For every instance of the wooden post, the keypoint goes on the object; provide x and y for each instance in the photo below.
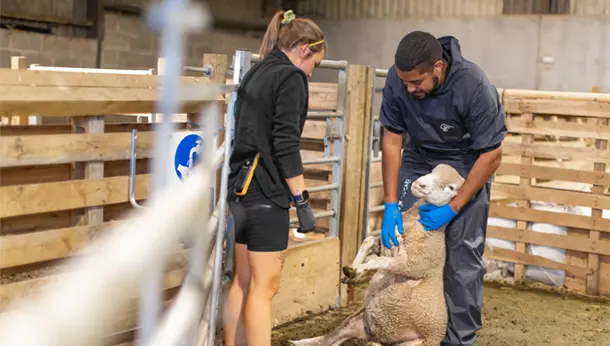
(220, 66)
(524, 183)
(593, 260)
(357, 122)
(158, 117)
(19, 63)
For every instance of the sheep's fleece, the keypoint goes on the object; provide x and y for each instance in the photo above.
(465, 242)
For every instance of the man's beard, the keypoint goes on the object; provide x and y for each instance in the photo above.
(435, 84)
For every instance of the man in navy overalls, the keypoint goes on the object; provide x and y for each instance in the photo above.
(451, 114)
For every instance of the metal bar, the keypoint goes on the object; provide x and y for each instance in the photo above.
(324, 115)
(172, 40)
(241, 59)
(322, 188)
(338, 145)
(332, 159)
(376, 209)
(329, 64)
(36, 67)
(320, 215)
(369, 157)
(207, 70)
(376, 185)
(376, 159)
(132, 170)
(381, 73)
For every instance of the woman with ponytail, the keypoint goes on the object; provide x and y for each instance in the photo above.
(267, 172)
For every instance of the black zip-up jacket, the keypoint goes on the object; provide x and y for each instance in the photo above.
(270, 111)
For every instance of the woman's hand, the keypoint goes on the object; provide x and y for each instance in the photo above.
(307, 220)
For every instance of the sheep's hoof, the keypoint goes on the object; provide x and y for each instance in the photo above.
(347, 281)
(349, 272)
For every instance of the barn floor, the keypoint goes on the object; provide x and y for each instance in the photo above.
(511, 317)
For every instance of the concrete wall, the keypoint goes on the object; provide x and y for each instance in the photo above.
(128, 43)
(509, 48)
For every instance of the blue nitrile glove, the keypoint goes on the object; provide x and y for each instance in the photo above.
(391, 219)
(433, 217)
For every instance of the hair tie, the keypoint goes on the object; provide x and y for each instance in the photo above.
(288, 17)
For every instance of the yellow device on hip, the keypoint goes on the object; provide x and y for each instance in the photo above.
(244, 178)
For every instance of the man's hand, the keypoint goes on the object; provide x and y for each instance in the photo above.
(391, 219)
(433, 217)
(483, 169)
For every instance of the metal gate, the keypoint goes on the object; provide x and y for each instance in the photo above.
(375, 139)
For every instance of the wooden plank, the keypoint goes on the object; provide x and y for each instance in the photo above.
(323, 96)
(551, 195)
(524, 259)
(557, 107)
(358, 113)
(317, 261)
(23, 289)
(567, 129)
(65, 148)
(53, 79)
(554, 95)
(93, 215)
(524, 183)
(46, 197)
(554, 240)
(553, 173)
(593, 260)
(553, 218)
(19, 63)
(57, 129)
(76, 101)
(21, 249)
(556, 151)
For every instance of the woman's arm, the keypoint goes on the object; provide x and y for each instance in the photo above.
(290, 101)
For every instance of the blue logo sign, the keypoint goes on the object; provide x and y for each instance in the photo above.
(187, 155)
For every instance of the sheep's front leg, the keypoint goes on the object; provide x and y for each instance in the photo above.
(375, 264)
(363, 255)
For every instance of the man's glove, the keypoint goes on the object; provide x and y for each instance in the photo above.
(391, 219)
(433, 217)
(307, 221)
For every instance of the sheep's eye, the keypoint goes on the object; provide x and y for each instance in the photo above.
(451, 187)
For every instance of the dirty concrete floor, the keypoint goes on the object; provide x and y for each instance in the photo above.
(510, 317)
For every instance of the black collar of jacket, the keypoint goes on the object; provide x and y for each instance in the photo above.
(278, 55)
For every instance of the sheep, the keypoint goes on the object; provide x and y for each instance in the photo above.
(404, 303)
(504, 271)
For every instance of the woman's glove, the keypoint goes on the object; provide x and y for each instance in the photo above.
(307, 221)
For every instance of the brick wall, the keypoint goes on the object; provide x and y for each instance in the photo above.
(128, 44)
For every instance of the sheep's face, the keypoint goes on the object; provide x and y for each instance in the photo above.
(439, 186)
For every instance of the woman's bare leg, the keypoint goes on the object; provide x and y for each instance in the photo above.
(265, 269)
(234, 333)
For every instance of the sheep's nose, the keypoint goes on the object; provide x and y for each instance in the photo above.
(423, 186)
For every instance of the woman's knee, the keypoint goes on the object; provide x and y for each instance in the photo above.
(267, 286)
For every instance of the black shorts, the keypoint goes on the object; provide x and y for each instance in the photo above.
(259, 223)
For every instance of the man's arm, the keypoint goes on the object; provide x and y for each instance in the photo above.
(390, 165)
(394, 125)
(483, 169)
(291, 98)
(485, 121)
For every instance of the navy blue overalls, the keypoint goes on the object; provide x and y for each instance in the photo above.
(461, 120)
